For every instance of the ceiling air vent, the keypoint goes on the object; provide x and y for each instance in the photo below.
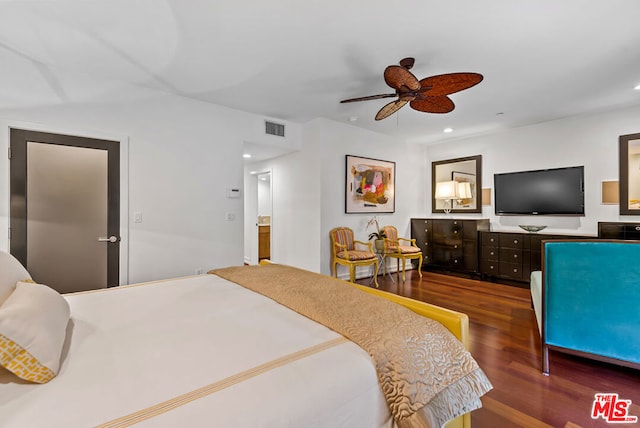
(274, 128)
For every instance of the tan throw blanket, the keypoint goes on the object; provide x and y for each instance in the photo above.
(426, 374)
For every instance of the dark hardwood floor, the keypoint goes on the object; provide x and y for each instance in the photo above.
(506, 344)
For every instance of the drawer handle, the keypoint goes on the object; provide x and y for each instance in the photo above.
(455, 246)
(455, 261)
(426, 230)
(455, 222)
(515, 270)
(491, 267)
(515, 256)
(492, 240)
(455, 231)
(492, 253)
(637, 227)
(515, 241)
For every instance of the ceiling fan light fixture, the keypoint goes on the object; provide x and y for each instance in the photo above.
(428, 95)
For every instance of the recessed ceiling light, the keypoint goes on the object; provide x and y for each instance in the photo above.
(637, 88)
(253, 172)
(353, 119)
(246, 155)
(447, 130)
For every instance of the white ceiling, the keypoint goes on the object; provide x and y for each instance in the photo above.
(296, 59)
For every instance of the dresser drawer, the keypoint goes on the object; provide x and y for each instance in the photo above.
(511, 240)
(489, 267)
(632, 231)
(511, 255)
(489, 253)
(489, 239)
(447, 256)
(510, 270)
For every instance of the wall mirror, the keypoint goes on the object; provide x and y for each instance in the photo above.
(629, 174)
(456, 185)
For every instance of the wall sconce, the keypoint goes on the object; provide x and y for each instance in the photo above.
(446, 191)
(486, 196)
(610, 192)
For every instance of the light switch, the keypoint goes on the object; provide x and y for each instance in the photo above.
(137, 217)
(231, 216)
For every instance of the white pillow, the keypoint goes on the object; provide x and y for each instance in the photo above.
(33, 327)
(11, 271)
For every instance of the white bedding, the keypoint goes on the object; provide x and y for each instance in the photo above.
(133, 347)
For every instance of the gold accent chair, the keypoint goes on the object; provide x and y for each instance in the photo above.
(393, 247)
(344, 252)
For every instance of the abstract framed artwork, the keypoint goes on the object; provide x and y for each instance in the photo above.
(370, 185)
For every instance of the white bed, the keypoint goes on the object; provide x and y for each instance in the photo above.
(198, 351)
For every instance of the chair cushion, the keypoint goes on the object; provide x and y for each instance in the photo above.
(404, 249)
(355, 255)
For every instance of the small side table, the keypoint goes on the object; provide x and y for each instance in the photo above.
(382, 264)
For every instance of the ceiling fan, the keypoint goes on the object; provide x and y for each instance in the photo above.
(428, 95)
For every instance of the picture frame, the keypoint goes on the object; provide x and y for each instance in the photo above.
(459, 169)
(370, 185)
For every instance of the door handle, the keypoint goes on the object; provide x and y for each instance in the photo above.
(112, 238)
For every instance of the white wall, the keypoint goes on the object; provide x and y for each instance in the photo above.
(183, 155)
(309, 191)
(590, 140)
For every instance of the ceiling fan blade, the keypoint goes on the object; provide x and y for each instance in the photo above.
(441, 104)
(370, 97)
(407, 63)
(390, 108)
(401, 79)
(445, 84)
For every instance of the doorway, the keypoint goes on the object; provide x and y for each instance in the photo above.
(265, 211)
(65, 209)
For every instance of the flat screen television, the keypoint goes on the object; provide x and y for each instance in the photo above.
(558, 191)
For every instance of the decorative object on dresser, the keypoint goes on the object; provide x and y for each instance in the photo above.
(370, 185)
(513, 255)
(629, 168)
(461, 177)
(450, 244)
(446, 191)
(617, 230)
(531, 228)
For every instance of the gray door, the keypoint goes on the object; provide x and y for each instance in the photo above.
(65, 209)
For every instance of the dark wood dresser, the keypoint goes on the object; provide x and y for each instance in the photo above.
(512, 255)
(617, 230)
(450, 244)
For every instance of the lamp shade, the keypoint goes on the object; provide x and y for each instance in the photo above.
(446, 190)
(464, 190)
